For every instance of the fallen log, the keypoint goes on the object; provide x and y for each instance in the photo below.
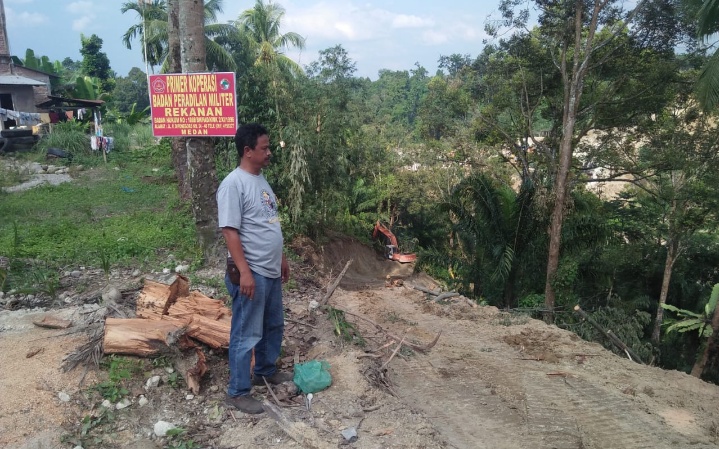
(214, 333)
(156, 298)
(195, 303)
(51, 322)
(137, 336)
(426, 290)
(445, 295)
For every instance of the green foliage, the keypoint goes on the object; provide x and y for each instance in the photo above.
(70, 137)
(343, 328)
(178, 439)
(131, 91)
(119, 371)
(95, 63)
(175, 380)
(690, 321)
(10, 176)
(626, 322)
(122, 213)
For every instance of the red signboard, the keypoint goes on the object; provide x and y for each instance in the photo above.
(193, 104)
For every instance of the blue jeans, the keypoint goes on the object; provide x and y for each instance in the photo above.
(258, 323)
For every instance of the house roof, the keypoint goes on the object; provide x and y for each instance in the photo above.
(56, 101)
(19, 81)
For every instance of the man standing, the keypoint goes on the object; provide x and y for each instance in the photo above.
(247, 212)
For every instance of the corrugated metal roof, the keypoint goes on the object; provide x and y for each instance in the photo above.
(19, 80)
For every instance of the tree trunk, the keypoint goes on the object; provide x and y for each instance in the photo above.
(668, 265)
(179, 154)
(573, 79)
(710, 348)
(200, 150)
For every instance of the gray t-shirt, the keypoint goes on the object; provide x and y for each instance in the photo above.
(246, 202)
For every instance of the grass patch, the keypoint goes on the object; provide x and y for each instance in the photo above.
(124, 213)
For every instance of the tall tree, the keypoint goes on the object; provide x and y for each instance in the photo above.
(95, 62)
(583, 40)
(174, 64)
(200, 151)
(260, 30)
(154, 34)
(682, 160)
(707, 27)
(131, 90)
(495, 227)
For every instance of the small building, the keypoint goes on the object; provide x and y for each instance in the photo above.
(21, 88)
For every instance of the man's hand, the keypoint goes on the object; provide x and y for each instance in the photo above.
(285, 270)
(247, 284)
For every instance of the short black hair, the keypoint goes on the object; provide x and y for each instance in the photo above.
(246, 136)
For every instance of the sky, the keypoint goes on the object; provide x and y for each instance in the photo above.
(389, 34)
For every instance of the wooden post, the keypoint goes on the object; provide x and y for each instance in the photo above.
(610, 335)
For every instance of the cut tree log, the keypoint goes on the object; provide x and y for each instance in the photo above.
(214, 333)
(195, 303)
(137, 336)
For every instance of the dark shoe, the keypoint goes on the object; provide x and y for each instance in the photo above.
(246, 404)
(274, 379)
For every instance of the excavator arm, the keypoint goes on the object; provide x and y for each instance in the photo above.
(391, 247)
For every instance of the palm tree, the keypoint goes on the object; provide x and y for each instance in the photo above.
(260, 27)
(708, 82)
(153, 28)
(495, 226)
(260, 31)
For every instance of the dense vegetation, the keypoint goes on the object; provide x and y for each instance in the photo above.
(466, 164)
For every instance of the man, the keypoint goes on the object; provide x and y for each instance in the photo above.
(247, 212)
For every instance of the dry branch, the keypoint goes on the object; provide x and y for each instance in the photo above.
(303, 434)
(610, 335)
(384, 365)
(333, 286)
(415, 347)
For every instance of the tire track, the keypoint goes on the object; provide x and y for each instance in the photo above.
(558, 407)
(467, 408)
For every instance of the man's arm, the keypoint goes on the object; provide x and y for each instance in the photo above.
(234, 246)
(285, 269)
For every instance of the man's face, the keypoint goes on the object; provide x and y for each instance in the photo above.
(261, 153)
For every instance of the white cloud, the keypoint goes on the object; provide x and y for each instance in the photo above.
(80, 7)
(433, 37)
(24, 18)
(405, 21)
(83, 23)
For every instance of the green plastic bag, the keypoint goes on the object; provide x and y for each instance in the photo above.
(312, 376)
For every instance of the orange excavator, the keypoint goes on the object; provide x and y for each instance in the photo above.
(391, 248)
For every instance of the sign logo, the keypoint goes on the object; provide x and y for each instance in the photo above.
(158, 86)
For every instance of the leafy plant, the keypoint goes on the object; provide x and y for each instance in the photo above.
(179, 441)
(690, 321)
(119, 371)
(343, 328)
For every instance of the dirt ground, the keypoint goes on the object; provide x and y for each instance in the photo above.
(492, 380)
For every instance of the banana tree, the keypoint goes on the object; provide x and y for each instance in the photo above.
(706, 323)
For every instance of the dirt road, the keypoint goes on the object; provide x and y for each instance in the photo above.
(493, 380)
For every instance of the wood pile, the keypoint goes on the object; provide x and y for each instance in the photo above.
(171, 318)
